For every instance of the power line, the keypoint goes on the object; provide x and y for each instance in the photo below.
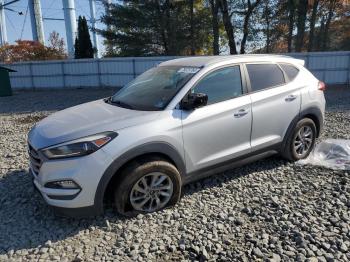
(82, 9)
(10, 3)
(49, 8)
(8, 18)
(51, 3)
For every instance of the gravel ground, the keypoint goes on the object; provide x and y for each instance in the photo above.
(269, 210)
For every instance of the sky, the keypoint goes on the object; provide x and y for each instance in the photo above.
(19, 26)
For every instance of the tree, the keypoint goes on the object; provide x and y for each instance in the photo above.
(331, 6)
(267, 17)
(25, 50)
(193, 50)
(329, 14)
(214, 6)
(247, 15)
(301, 19)
(194, 27)
(268, 12)
(291, 21)
(138, 28)
(312, 25)
(83, 46)
(56, 42)
(226, 17)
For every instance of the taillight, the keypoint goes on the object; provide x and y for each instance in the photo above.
(321, 86)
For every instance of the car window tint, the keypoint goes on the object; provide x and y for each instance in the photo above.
(291, 71)
(221, 85)
(264, 76)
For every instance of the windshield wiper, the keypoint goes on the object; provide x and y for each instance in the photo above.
(118, 103)
(107, 99)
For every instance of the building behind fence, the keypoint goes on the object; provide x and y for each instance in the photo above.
(330, 67)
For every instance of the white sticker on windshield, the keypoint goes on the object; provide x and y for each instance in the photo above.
(188, 70)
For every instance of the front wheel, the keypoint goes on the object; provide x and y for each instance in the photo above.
(147, 186)
(301, 141)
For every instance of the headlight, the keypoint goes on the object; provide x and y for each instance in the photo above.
(80, 147)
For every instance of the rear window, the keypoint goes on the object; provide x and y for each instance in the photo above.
(264, 76)
(291, 71)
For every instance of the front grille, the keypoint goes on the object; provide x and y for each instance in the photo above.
(35, 160)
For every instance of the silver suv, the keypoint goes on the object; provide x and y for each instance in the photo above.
(178, 122)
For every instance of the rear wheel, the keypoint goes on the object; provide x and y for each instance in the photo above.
(301, 141)
(147, 186)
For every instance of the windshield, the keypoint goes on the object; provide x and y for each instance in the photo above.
(154, 89)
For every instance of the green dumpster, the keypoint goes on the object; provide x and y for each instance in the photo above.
(5, 84)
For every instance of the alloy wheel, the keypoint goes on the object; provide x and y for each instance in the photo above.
(151, 192)
(303, 140)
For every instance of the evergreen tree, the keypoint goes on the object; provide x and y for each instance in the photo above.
(76, 48)
(149, 28)
(83, 45)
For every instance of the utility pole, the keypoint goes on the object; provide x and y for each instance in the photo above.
(71, 25)
(93, 25)
(36, 21)
(3, 32)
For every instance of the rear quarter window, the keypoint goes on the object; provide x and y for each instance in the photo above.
(264, 76)
(290, 70)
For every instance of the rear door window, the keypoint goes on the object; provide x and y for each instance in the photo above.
(291, 71)
(264, 76)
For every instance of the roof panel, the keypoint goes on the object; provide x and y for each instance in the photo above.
(201, 61)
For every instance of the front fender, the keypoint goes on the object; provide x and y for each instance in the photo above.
(148, 148)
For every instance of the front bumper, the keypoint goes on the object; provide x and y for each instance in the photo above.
(81, 212)
(84, 171)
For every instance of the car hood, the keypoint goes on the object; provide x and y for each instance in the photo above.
(84, 120)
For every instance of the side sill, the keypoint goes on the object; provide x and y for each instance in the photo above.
(233, 163)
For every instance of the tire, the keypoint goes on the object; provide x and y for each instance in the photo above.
(292, 151)
(128, 195)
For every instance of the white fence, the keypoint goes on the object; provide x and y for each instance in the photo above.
(330, 67)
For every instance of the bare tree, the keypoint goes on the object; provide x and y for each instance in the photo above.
(247, 14)
(214, 6)
(301, 19)
(266, 15)
(226, 17)
(291, 20)
(193, 51)
(312, 25)
(56, 42)
(331, 8)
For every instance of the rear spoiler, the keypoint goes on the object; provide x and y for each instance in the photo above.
(300, 61)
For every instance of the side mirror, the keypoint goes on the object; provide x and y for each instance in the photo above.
(193, 101)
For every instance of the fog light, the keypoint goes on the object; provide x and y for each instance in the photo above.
(62, 184)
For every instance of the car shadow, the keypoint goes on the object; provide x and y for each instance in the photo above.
(217, 180)
(27, 222)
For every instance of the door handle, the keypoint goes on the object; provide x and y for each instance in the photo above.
(240, 113)
(290, 98)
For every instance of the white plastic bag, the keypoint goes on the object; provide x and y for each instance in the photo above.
(331, 153)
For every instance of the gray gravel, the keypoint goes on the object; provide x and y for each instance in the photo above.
(269, 210)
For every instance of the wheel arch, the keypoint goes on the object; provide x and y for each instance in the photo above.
(313, 113)
(160, 149)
